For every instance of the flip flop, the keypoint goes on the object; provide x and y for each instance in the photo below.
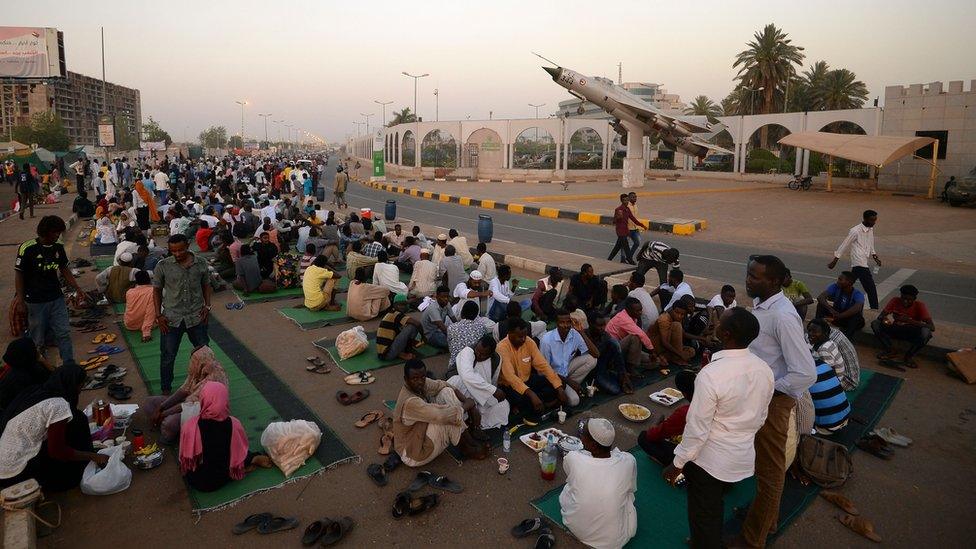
(423, 503)
(347, 399)
(110, 338)
(546, 540)
(239, 306)
(377, 473)
(861, 526)
(318, 369)
(369, 417)
(343, 398)
(360, 378)
(446, 484)
(386, 444)
(250, 523)
(315, 531)
(119, 391)
(278, 524)
(527, 527)
(875, 447)
(93, 384)
(841, 501)
(99, 338)
(422, 480)
(401, 504)
(230, 306)
(892, 437)
(337, 530)
(392, 462)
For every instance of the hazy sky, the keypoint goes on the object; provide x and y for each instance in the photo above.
(318, 64)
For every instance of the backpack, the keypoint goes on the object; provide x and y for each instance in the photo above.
(827, 463)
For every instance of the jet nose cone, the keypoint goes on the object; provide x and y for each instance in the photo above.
(553, 71)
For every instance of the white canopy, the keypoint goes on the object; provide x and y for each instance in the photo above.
(875, 150)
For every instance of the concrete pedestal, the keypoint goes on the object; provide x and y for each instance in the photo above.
(634, 161)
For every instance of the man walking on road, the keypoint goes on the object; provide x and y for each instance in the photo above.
(861, 240)
(182, 296)
(634, 234)
(341, 181)
(622, 217)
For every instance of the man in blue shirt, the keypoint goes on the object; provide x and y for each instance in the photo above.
(842, 305)
(570, 354)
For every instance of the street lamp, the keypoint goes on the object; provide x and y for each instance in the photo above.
(242, 102)
(289, 126)
(276, 123)
(366, 116)
(415, 78)
(537, 108)
(384, 103)
(752, 98)
(358, 126)
(265, 116)
(437, 106)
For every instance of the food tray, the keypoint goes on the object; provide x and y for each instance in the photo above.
(538, 445)
(668, 396)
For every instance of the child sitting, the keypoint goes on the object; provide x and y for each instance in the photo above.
(659, 441)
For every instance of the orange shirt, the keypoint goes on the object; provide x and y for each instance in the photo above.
(517, 365)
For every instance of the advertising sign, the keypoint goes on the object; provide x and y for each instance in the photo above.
(31, 52)
(152, 145)
(106, 131)
(379, 168)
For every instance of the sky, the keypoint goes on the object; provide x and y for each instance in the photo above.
(319, 64)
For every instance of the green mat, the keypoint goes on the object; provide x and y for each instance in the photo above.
(103, 262)
(280, 293)
(367, 360)
(308, 319)
(249, 402)
(662, 516)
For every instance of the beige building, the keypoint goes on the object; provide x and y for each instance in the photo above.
(654, 94)
(77, 99)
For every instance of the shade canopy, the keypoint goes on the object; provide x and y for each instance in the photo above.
(875, 150)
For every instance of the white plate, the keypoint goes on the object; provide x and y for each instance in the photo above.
(667, 396)
(538, 445)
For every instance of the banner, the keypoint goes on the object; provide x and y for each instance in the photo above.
(30, 52)
(106, 131)
(152, 145)
(379, 143)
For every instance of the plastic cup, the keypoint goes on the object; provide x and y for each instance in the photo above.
(561, 415)
(502, 466)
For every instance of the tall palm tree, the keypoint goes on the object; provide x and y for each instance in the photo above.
(736, 103)
(840, 89)
(703, 106)
(768, 63)
(402, 117)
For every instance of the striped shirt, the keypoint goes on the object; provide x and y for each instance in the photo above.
(389, 327)
(850, 375)
(829, 400)
(652, 251)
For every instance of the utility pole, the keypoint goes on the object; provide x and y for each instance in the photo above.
(359, 125)
(366, 116)
(437, 106)
(104, 94)
(265, 116)
(276, 123)
(242, 102)
(537, 108)
(384, 103)
(289, 126)
(415, 78)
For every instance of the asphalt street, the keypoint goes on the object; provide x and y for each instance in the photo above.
(949, 297)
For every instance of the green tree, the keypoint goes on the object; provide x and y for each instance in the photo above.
(768, 62)
(839, 89)
(46, 129)
(703, 106)
(154, 132)
(214, 137)
(736, 103)
(126, 137)
(235, 142)
(402, 117)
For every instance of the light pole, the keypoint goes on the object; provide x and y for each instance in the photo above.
(265, 116)
(289, 126)
(366, 116)
(537, 108)
(415, 78)
(752, 98)
(242, 102)
(359, 125)
(384, 103)
(277, 123)
(437, 106)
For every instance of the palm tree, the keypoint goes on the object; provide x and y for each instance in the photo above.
(840, 89)
(768, 63)
(402, 117)
(736, 103)
(703, 106)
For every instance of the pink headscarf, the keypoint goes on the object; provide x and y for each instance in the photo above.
(214, 404)
(203, 367)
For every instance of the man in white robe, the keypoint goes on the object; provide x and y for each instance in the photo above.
(478, 381)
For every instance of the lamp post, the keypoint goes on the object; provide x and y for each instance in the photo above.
(265, 117)
(537, 108)
(289, 126)
(384, 103)
(752, 98)
(359, 125)
(415, 78)
(366, 116)
(277, 123)
(242, 102)
(437, 106)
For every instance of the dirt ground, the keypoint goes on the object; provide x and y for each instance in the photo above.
(922, 496)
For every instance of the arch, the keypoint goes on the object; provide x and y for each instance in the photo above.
(534, 149)
(484, 149)
(585, 150)
(777, 158)
(408, 149)
(438, 149)
(843, 126)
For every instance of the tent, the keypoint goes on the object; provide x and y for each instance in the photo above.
(874, 150)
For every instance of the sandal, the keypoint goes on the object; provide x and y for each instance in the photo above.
(119, 391)
(546, 540)
(423, 478)
(347, 399)
(251, 523)
(369, 417)
(876, 447)
(99, 338)
(841, 501)
(323, 369)
(446, 484)
(377, 473)
(891, 437)
(401, 505)
(315, 531)
(277, 524)
(386, 444)
(526, 527)
(93, 362)
(93, 384)
(423, 503)
(337, 530)
(360, 378)
(860, 525)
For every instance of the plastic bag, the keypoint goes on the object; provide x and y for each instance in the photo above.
(188, 410)
(352, 342)
(114, 477)
(290, 443)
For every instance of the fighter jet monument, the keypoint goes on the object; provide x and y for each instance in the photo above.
(633, 118)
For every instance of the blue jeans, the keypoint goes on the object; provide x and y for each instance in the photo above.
(499, 310)
(169, 345)
(52, 317)
(635, 240)
(162, 196)
(437, 339)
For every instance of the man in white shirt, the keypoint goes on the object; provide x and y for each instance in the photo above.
(502, 291)
(388, 275)
(460, 244)
(209, 217)
(732, 395)
(478, 380)
(861, 240)
(782, 345)
(486, 263)
(597, 502)
(472, 289)
(649, 312)
(676, 287)
(395, 236)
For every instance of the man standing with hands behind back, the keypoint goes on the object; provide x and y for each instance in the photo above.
(861, 240)
(182, 297)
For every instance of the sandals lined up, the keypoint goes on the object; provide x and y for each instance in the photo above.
(317, 365)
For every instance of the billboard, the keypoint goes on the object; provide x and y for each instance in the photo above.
(106, 131)
(31, 53)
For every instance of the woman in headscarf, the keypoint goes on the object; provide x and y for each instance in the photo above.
(213, 445)
(145, 205)
(164, 411)
(45, 436)
(21, 369)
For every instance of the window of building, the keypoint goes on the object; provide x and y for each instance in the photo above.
(926, 152)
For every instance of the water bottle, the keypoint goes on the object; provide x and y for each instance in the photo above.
(706, 357)
(506, 441)
(547, 459)
(876, 269)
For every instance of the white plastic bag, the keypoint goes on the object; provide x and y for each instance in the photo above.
(290, 443)
(114, 477)
(188, 410)
(352, 342)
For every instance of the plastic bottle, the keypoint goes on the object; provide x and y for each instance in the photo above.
(506, 441)
(706, 357)
(547, 459)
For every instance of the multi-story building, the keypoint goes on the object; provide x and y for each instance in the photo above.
(654, 94)
(78, 100)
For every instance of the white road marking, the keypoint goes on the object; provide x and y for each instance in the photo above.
(893, 282)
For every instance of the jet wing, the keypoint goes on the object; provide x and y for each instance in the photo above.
(691, 123)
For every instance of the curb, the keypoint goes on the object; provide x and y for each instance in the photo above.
(552, 213)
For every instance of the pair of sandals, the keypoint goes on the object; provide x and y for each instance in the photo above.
(535, 526)
(104, 338)
(346, 399)
(891, 436)
(876, 446)
(386, 439)
(427, 478)
(406, 504)
(317, 365)
(105, 349)
(93, 362)
(92, 328)
(359, 378)
(265, 523)
(380, 473)
(119, 391)
(327, 532)
(235, 306)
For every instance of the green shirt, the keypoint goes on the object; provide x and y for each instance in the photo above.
(182, 289)
(795, 290)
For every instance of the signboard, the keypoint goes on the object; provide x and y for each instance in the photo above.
(379, 143)
(152, 145)
(31, 53)
(106, 131)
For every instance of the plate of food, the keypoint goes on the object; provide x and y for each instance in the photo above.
(537, 441)
(634, 412)
(569, 443)
(667, 396)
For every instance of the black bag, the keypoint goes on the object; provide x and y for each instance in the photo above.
(827, 463)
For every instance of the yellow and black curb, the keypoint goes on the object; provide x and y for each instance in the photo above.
(552, 213)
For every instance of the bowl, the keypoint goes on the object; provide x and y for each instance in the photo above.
(634, 412)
